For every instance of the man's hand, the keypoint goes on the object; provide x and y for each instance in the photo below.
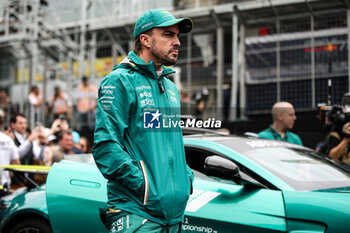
(34, 135)
(346, 129)
(55, 127)
(342, 148)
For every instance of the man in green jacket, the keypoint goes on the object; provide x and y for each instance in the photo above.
(144, 162)
(283, 115)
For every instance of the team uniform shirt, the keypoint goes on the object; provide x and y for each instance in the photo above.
(270, 133)
(8, 152)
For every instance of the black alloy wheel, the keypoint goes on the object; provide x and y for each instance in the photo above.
(32, 226)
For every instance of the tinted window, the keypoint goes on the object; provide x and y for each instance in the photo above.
(300, 169)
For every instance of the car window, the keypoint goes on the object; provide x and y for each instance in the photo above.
(195, 158)
(300, 169)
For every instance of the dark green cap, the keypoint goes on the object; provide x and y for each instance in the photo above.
(160, 18)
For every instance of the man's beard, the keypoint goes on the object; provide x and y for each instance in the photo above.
(162, 56)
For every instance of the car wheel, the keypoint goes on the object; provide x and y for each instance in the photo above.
(32, 226)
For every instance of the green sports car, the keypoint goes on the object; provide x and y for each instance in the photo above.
(241, 185)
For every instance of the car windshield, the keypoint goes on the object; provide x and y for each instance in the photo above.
(301, 169)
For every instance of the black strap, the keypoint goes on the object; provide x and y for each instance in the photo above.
(16, 141)
(161, 88)
(180, 227)
(103, 216)
(275, 136)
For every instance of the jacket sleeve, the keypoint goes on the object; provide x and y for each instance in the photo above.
(112, 114)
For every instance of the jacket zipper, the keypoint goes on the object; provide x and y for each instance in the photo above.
(171, 154)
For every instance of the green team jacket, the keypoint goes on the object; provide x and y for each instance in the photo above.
(146, 168)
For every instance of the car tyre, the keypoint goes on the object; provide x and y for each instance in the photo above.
(32, 226)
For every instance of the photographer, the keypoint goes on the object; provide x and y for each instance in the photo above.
(337, 141)
(338, 144)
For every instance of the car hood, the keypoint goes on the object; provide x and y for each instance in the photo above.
(326, 208)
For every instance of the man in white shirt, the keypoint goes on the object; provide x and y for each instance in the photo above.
(22, 139)
(8, 153)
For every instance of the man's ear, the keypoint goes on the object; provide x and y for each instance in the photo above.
(280, 115)
(145, 40)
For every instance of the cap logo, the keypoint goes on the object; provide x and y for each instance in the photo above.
(146, 25)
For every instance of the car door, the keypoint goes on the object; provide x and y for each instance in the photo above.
(74, 194)
(223, 206)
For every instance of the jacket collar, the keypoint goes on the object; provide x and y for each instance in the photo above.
(134, 62)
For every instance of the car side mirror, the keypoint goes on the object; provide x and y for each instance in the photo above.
(217, 166)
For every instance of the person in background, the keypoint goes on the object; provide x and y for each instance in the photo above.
(8, 155)
(84, 144)
(7, 106)
(86, 97)
(65, 146)
(201, 99)
(283, 116)
(35, 99)
(40, 146)
(149, 182)
(76, 148)
(337, 145)
(337, 141)
(23, 137)
(61, 105)
(53, 147)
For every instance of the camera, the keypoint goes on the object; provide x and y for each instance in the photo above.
(333, 117)
(338, 116)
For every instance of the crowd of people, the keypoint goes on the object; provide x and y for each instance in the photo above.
(37, 144)
(60, 105)
(29, 141)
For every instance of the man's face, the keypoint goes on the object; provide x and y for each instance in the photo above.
(66, 142)
(82, 145)
(288, 117)
(86, 82)
(165, 45)
(21, 125)
(2, 95)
